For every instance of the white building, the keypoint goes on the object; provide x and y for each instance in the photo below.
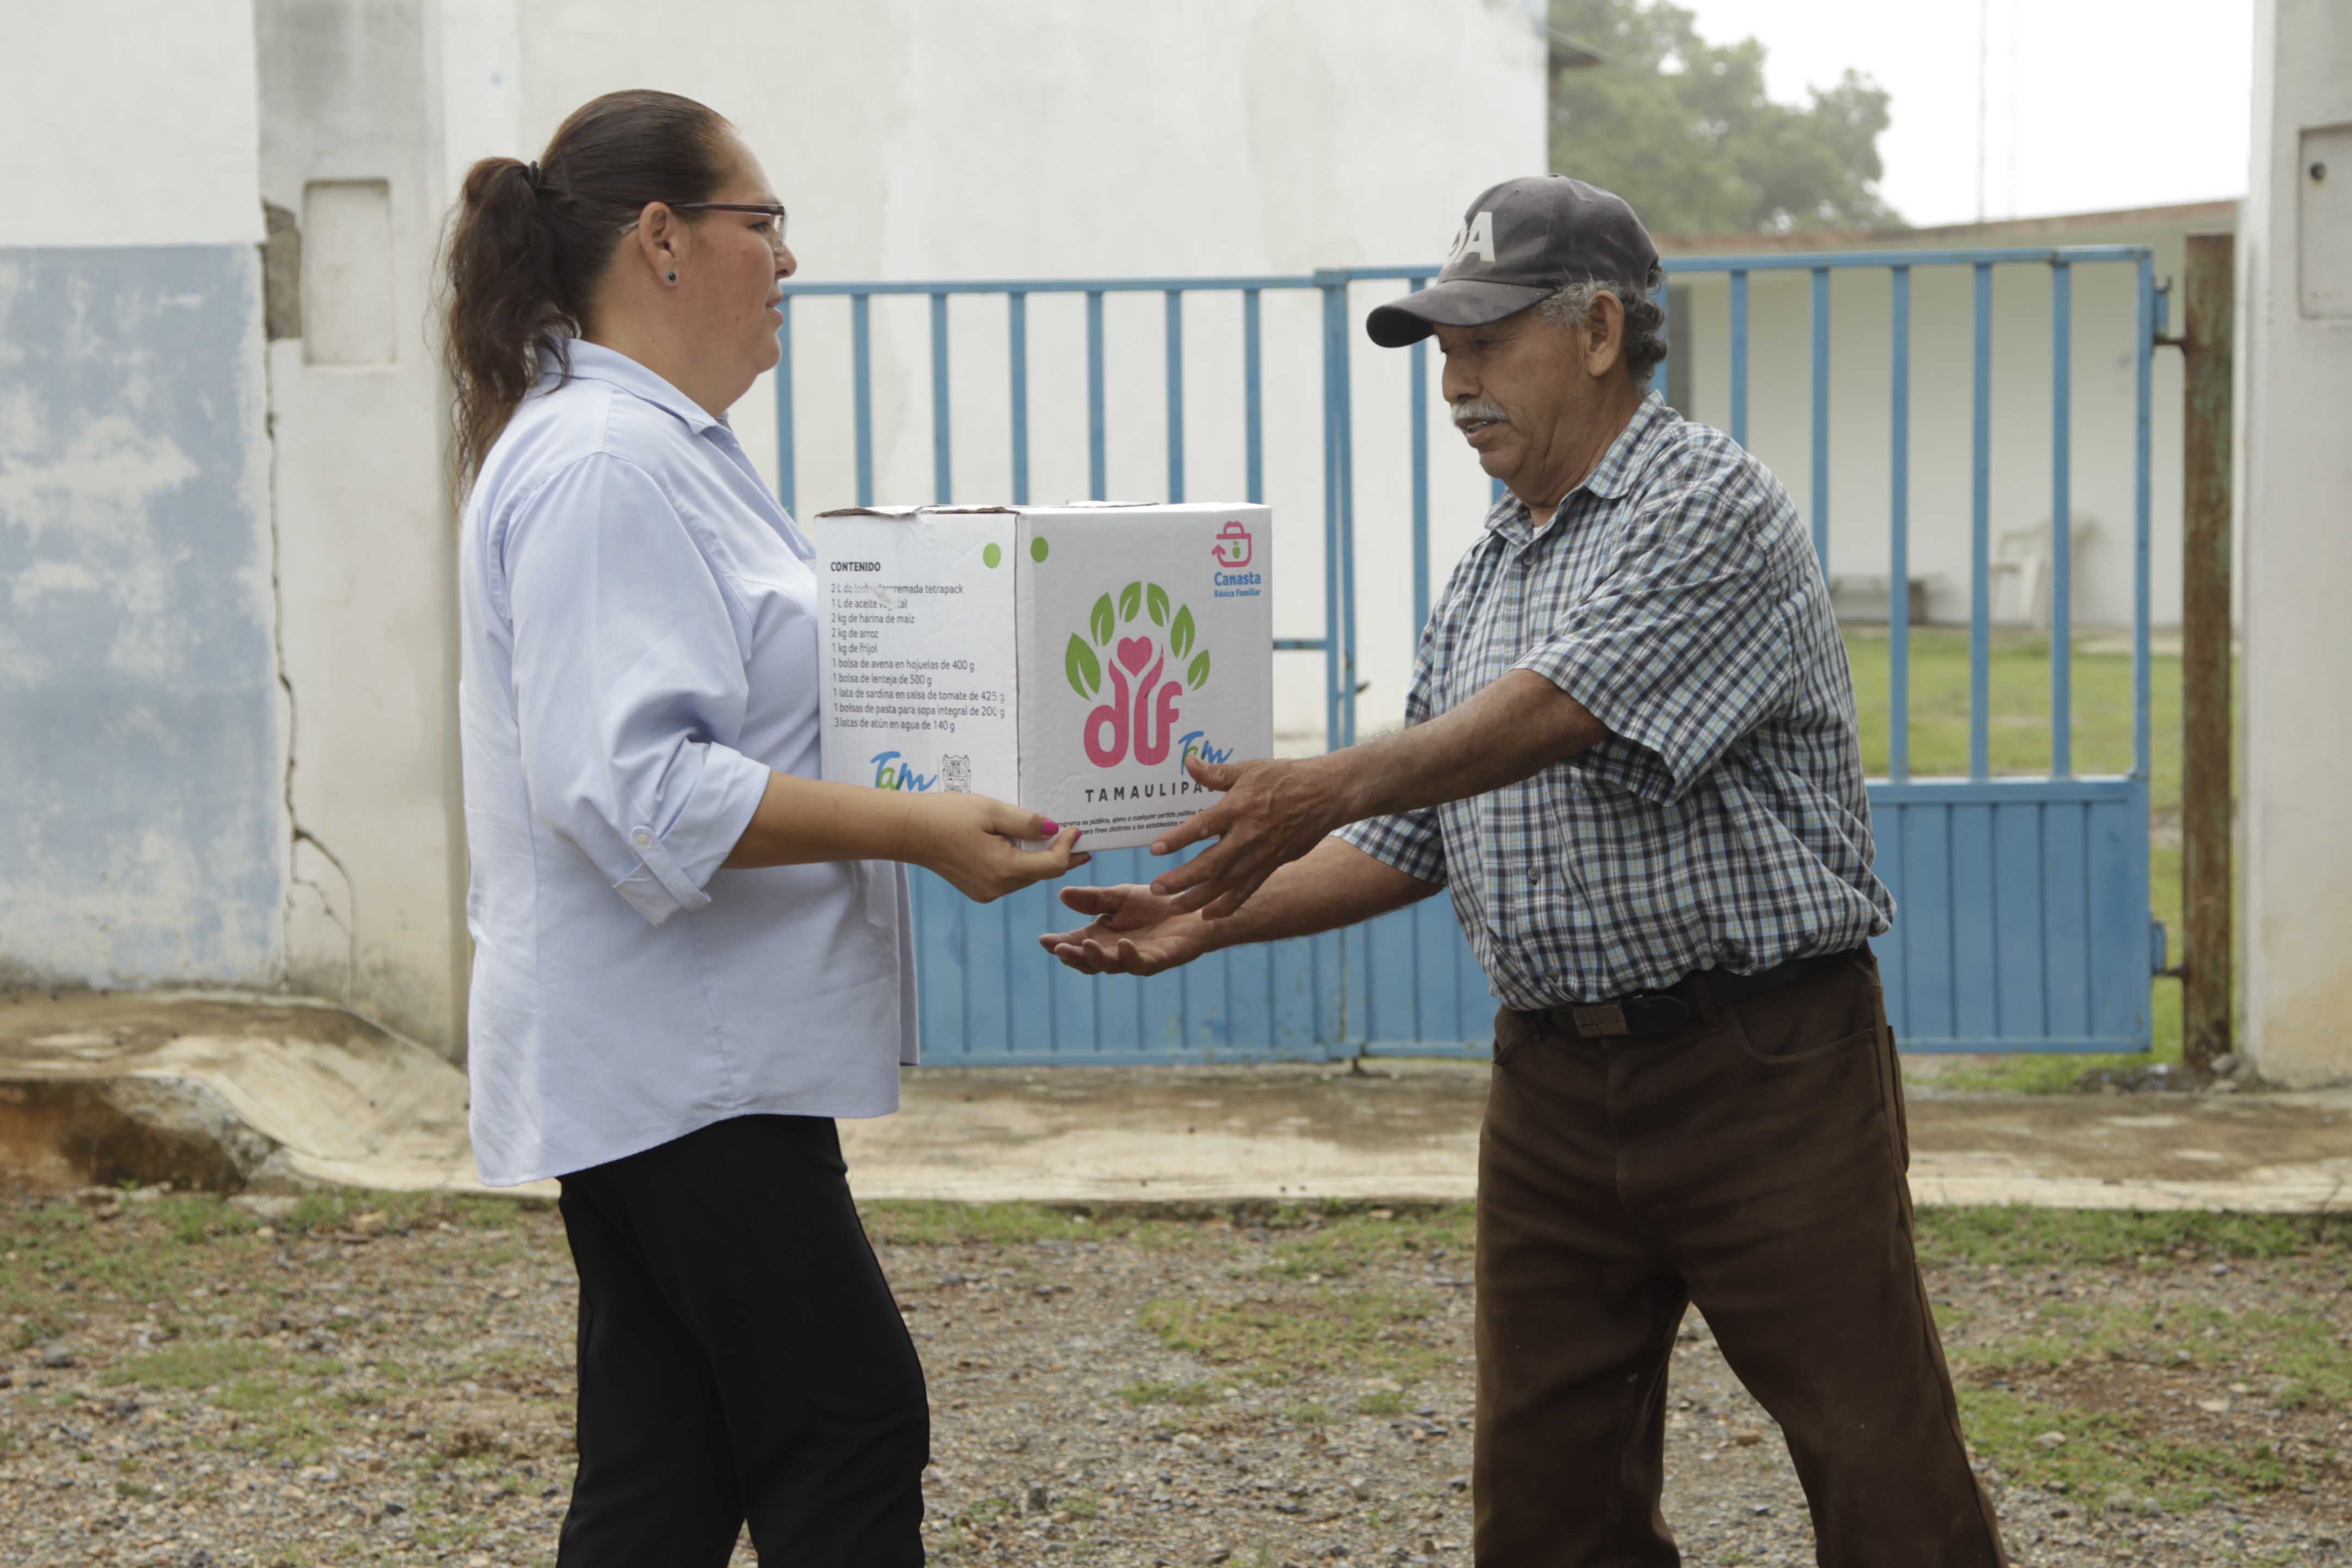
(2295, 345)
(228, 667)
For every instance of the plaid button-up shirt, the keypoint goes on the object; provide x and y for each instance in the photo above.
(1723, 821)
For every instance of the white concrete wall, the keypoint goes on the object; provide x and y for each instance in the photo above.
(2295, 389)
(129, 123)
(912, 140)
(1078, 138)
(141, 738)
(351, 92)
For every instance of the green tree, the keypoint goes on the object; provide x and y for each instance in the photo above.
(1682, 129)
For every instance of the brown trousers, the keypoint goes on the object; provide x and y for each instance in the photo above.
(1752, 1163)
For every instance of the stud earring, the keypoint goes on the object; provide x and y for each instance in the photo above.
(673, 277)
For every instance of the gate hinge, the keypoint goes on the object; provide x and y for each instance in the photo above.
(2161, 327)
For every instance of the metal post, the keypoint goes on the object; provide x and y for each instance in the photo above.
(2142, 398)
(1347, 465)
(1658, 371)
(1419, 372)
(1097, 479)
(1981, 536)
(1017, 350)
(787, 464)
(2205, 655)
(1334, 324)
(861, 374)
(1175, 394)
(942, 458)
(1253, 400)
(1898, 514)
(1821, 497)
(2061, 521)
(1739, 355)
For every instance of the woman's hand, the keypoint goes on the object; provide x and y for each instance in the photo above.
(968, 841)
(1135, 931)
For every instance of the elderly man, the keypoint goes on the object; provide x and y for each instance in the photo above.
(1630, 752)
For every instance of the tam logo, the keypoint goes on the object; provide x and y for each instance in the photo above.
(890, 773)
(1196, 744)
(1139, 717)
(1233, 545)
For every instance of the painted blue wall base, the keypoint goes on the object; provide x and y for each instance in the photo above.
(141, 758)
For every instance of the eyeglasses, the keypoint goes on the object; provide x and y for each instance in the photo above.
(774, 209)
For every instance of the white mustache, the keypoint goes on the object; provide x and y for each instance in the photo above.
(1468, 413)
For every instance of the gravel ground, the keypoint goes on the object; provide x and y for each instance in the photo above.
(368, 1379)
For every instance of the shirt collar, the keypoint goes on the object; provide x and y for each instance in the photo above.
(593, 362)
(1612, 478)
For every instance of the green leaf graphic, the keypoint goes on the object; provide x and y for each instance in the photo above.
(1180, 636)
(1101, 621)
(1155, 600)
(1198, 676)
(1130, 599)
(1084, 669)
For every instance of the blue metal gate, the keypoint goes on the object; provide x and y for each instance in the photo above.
(2023, 919)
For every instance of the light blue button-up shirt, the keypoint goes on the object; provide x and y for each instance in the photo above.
(640, 648)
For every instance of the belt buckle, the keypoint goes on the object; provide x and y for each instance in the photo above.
(1603, 1020)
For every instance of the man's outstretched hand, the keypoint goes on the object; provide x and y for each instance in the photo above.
(1135, 931)
(1272, 812)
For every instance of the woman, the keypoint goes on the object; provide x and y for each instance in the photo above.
(691, 953)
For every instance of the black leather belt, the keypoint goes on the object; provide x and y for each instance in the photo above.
(1641, 1013)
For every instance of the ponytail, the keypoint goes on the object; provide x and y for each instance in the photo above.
(530, 241)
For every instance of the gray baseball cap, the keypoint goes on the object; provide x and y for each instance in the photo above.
(1519, 241)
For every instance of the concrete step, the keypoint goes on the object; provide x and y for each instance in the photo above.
(269, 1095)
(227, 1093)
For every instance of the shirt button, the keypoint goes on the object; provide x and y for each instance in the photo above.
(1534, 876)
(641, 838)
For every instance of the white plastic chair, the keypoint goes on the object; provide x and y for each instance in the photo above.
(2021, 556)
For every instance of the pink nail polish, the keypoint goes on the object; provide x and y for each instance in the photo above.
(1051, 828)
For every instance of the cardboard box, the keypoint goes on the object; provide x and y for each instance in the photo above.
(1065, 659)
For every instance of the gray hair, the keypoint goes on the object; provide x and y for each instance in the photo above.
(1645, 338)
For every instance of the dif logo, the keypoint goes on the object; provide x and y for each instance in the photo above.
(1139, 717)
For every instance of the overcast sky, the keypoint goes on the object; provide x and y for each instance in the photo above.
(2089, 104)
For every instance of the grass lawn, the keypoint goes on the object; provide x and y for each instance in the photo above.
(2019, 741)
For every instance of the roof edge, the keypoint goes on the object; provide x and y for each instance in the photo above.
(2213, 215)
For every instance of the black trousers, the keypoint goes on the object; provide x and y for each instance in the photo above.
(741, 1357)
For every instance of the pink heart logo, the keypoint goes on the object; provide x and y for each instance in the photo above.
(1135, 653)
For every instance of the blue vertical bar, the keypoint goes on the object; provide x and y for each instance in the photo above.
(1253, 398)
(1175, 394)
(1332, 728)
(1097, 481)
(861, 355)
(1739, 355)
(2145, 346)
(1898, 545)
(1017, 327)
(787, 478)
(942, 466)
(1420, 373)
(2062, 527)
(1347, 464)
(1658, 371)
(1822, 417)
(1980, 537)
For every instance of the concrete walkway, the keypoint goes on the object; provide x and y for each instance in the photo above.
(226, 1092)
